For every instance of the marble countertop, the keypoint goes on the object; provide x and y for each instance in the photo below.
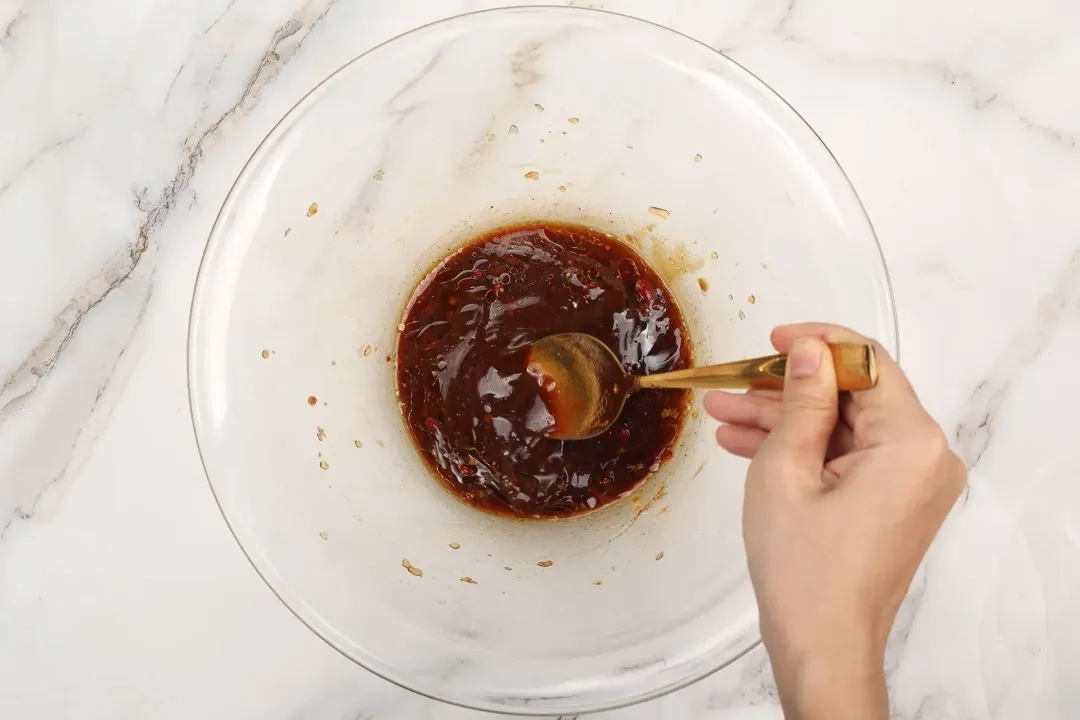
(122, 593)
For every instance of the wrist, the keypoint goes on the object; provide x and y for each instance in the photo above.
(841, 677)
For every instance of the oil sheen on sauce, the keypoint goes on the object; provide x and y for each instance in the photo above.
(476, 414)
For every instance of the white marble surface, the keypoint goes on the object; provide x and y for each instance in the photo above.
(122, 125)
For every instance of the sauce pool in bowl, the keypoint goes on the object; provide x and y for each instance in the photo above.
(474, 409)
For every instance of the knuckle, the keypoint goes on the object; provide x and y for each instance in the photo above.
(943, 470)
(806, 403)
(957, 472)
(933, 440)
(773, 468)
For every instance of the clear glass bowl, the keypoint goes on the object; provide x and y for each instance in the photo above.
(398, 157)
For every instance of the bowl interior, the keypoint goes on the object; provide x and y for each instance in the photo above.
(400, 156)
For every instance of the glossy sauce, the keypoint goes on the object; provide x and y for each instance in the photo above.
(473, 409)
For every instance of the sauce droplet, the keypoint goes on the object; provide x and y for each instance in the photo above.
(659, 212)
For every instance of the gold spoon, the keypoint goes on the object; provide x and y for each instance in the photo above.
(585, 386)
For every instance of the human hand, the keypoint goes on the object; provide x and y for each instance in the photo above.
(843, 497)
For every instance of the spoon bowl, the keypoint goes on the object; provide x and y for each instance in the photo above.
(583, 384)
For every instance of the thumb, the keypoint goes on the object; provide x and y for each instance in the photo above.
(811, 403)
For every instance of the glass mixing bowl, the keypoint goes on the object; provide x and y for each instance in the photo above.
(408, 151)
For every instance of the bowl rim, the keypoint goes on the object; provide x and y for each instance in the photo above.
(531, 709)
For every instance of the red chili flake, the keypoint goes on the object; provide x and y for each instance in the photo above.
(644, 287)
(623, 433)
(432, 423)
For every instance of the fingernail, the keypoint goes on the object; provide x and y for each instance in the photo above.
(804, 358)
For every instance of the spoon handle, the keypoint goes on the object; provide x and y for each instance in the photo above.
(856, 369)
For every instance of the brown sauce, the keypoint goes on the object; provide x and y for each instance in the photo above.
(477, 415)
